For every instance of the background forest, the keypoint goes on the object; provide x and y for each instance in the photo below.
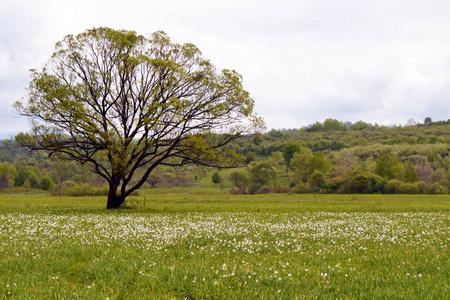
(328, 157)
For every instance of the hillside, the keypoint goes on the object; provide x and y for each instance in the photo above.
(328, 157)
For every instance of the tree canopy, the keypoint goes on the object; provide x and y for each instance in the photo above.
(124, 104)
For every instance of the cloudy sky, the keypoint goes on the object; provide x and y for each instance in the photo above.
(380, 61)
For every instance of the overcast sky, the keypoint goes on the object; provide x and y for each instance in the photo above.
(380, 61)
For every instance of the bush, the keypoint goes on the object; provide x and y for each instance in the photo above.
(363, 183)
(436, 188)
(82, 190)
(412, 188)
(265, 190)
(301, 188)
(254, 188)
(46, 183)
(317, 180)
(280, 190)
(398, 187)
(216, 178)
(393, 186)
(235, 191)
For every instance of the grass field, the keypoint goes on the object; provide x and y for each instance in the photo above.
(204, 244)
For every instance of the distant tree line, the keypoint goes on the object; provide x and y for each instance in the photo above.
(338, 158)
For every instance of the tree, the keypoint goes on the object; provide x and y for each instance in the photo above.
(301, 163)
(216, 178)
(317, 180)
(387, 166)
(7, 174)
(46, 183)
(288, 152)
(239, 180)
(332, 124)
(427, 121)
(410, 172)
(262, 174)
(411, 122)
(121, 102)
(319, 163)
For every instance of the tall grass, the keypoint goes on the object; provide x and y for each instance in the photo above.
(202, 243)
(224, 255)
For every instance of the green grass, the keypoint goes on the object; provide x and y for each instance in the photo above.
(200, 243)
(204, 199)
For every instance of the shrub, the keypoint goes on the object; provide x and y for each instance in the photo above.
(407, 188)
(363, 183)
(393, 186)
(254, 188)
(301, 188)
(235, 191)
(265, 190)
(436, 188)
(216, 178)
(82, 190)
(281, 190)
(46, 183)
(317, 180)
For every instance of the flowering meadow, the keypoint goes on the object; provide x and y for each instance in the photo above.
(224, 255)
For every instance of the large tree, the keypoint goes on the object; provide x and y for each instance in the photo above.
(124, 104)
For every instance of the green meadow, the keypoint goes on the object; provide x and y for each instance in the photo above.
(202, 243)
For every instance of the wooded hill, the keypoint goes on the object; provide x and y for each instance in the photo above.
(328, 157)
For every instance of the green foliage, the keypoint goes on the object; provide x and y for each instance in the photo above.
(398, 187)
(216, 178)
(436, 188)
(33, 179)
(301, 188)
(174, 104)
(301, 163)
(261, 174)
(332, 124)
(410, 172)
(239, 180)
(387, 166)
(7, 175)
(288, 152)
(364, 183)
(317, 180)
(418, 153)
(319, 163)
(249, 157)
(21, 175)
(46, 183)
(70, 188)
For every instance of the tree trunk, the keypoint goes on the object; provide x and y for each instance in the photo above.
(114, 200)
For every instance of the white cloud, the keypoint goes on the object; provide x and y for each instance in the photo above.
(302, 61)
